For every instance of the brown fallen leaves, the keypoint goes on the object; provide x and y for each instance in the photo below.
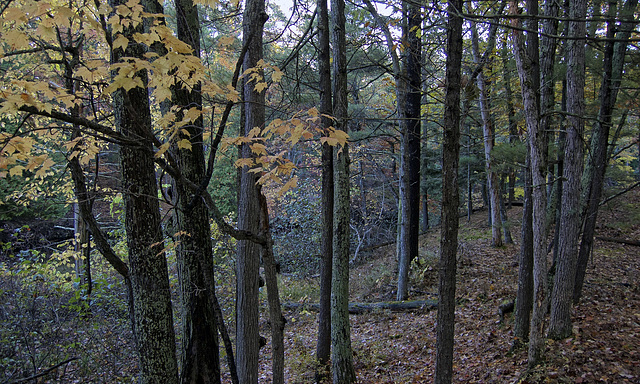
(400, 347)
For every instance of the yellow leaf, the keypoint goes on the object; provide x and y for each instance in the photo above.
(184, 143)
(120, 42)
(162, 94)
(260, 86)
(313, 112)
(258, 149)
(276, 75)
(329, 140)
(15, 14)
(243, 163)
(163, 148)
(341, 136)
(254, 132)
(16, 171)
(292, 183)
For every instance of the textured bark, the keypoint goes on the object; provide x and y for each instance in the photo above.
(450, 198)
(341, 353)
(323, 350)
(537, 152)
(493, 185)
(511, 116)
(200, 350)
(524, 298)
(273, 296)
(410, 166)
(596, 166)
(247, 337)
(560, 325)
(152, 312)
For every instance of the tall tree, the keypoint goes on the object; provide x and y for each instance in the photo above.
(248, 259)
(450, 197)
(323, 351)
(410, 146)
(152, 312)
(493, 184)
(560, 325)
(200, 351)
(537, 161)
(341, 353)
(595, 169)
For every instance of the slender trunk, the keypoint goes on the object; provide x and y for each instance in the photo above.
(597, 163)
(524, 297)
(493, 187)
(560, 325)
(450, 198)
(248, 259)
(273, 295)
(410, 167)
(341, 352)
(537, 152)
(323, 350)
(558, 203)
(513, 124)
(503, 216)
(200, 350)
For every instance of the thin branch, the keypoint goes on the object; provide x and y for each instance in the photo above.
(45, 372)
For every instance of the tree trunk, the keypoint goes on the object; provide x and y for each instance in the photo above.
(323, 350)
(200, 350)
(152, 312)
(503, 216)
(560, 325)
(595, 169)
(450, 198)
(524, 298)
(341, 353)
(273, 295)
(410, 167)
(248, 259)
(493, 186)
(537, 152)
(511, 116)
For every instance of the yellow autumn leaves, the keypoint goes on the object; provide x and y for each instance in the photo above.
(37, 41)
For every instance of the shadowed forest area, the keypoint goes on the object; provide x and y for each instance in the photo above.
(397, 191)
(42, 323)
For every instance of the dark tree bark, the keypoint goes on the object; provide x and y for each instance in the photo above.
(323, 350)
(560, 325)
(152, 312)
(200, 350)
(595, 169)
(450, 198)
(410, 166)
(537, 152)
(273, 295)
(150, 283)
(511, 116)
(341, 353)
(248, 260)
(524, 297)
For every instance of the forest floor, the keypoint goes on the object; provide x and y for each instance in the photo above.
(50, 330)
(400, 347)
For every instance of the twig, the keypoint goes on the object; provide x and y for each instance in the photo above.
(45, 372)
(620, 193)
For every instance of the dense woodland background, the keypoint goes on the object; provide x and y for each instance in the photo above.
(365, 192)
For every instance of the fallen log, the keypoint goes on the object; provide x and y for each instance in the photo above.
(360, 308)
(619, 241)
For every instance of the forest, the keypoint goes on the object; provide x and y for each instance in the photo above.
(319, 192)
